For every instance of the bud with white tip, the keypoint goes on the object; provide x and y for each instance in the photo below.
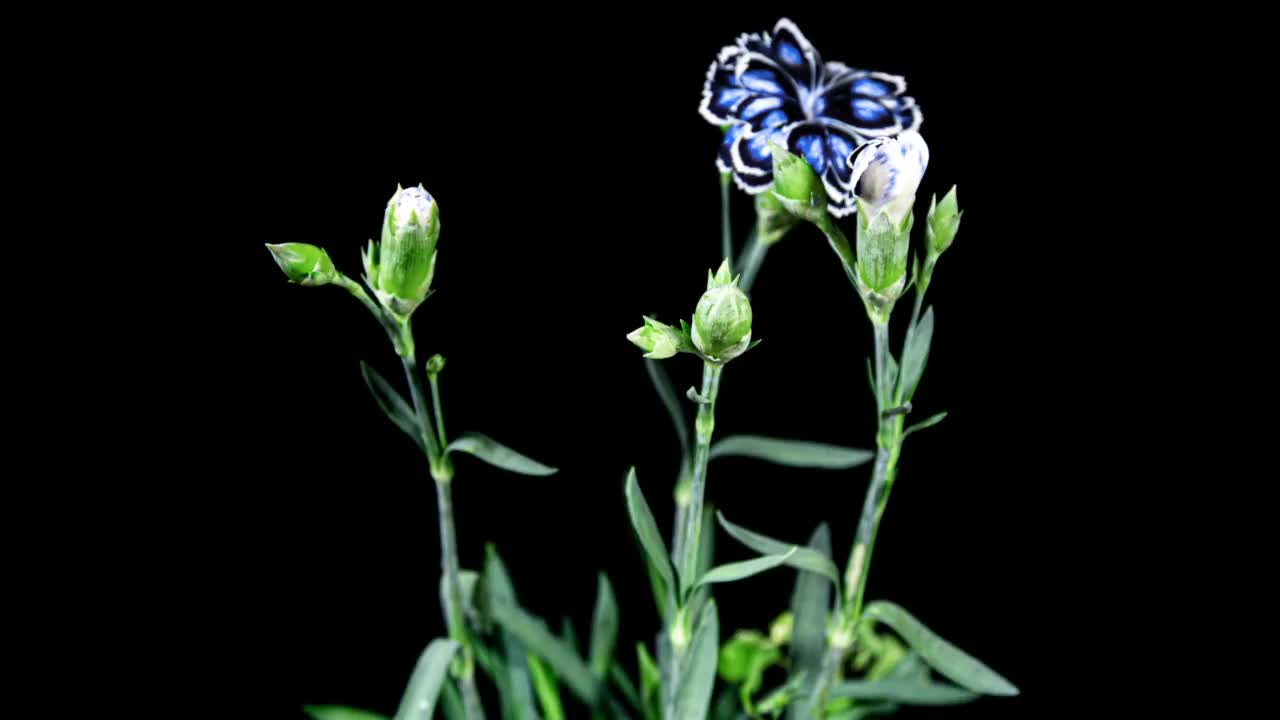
(400, 267)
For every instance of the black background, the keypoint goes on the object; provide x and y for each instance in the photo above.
(578, 192)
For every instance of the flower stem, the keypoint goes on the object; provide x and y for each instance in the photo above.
(704, 426)
(752, 258)
(839, 243)
(726, 231)
(435, 404)
(442, 474)
(888, 449)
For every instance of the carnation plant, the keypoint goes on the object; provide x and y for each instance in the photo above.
(811, 142)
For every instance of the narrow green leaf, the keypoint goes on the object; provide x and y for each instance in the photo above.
(861, 712)
(793, 453)
(513, 676)
(904, 692)
(498, 455)
(393, 405)
(802, 559)
(731, 572)
(604, 628)
(926, 423)
(693, 394)
(650, 683)
(667, 392)
(950, 661)
(647, 531)
(419, 699)
(698, 675)
(810, 602)
(548, 690)
(559, 656)
(340, 712)
(915, 354)
(618, 676)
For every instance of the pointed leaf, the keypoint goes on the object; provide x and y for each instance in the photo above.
(802, 559)
(498, 455)
(730, 572)
(548, 690)
(698, 673)
(950, 661)
(793, 453)
(810, 602)
(340, 712)
(647, 531)
(514, 680)
(693, 394)
(394, 406)
(419, 699)
(915, 354)
(604, 628)
(926, 423)
(561, 658)
(650, 683)
(904, 692)
(667, 393)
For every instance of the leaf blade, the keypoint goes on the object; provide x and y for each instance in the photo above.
(646, 529)
(604, 627)
(904, 692)
(803, 558)
(915, 355)
(791, 453)
(950, 661)
(498, 455)
(393, 405)
(535, 636)
(670, 400)
(734, 571)
(428, 677)
(340, 712)
(693, 696)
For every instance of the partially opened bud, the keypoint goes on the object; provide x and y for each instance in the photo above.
(400, 268)
(304, 264)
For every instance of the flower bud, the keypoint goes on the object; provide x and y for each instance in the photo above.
(304, 264)
(886, 173)
(883, 246)
(796, 186)
(943, 223)
(722, 320)
(659, 340)
(435, 364)
(401, 266)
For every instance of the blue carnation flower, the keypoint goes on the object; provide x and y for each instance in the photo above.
(775, 87)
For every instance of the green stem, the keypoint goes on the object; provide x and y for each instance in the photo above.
(726, 232)
(888, 449)
(752, 258)
(434, 379)
(442, 474)
(704, 427)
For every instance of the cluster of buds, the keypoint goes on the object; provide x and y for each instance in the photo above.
(398, 268)
(886, 173)
(721, 328)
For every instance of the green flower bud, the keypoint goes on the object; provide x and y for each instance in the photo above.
(943, 222)
(435, 364)
(796, 186)
(304, 264)
(660, 341)
(400, 268)
(883, 248)
(722, 320)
